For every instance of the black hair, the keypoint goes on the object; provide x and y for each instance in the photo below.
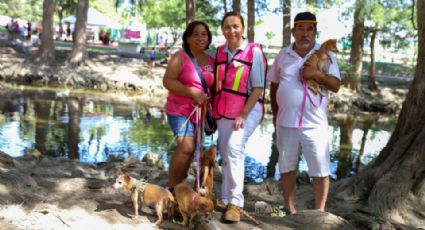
(232, 13)
(189, 31)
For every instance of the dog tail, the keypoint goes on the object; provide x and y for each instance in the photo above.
(171, 197)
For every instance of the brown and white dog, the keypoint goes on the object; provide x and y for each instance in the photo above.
(191, 203)
(318, 61)
(146, 193)
(207, 164)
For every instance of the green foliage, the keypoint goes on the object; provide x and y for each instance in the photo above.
(31, 10)
(278, 210)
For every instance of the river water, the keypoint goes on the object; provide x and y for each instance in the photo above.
(80, 126)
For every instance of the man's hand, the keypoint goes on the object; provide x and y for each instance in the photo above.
(312, 73)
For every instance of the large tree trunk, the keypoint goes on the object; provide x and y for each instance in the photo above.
(190, 11)
(46, 52)
(286, 36)
(356, 56)
(393, 186)
(79, 49)
(251, 20)
(372, 67)
(236, 6)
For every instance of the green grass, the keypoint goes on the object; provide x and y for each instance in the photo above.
(99, 49)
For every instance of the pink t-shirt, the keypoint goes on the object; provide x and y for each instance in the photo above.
(181, 105)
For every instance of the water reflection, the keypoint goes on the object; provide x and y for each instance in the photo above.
(92, 131)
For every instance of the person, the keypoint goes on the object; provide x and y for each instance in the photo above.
(185, 92)
(152, 58)
(68, 31)
(237, 106)
(29, 30)
(287, 96)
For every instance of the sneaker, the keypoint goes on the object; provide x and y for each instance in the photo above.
(232, 213)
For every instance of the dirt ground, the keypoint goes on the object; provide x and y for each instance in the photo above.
(58, 193)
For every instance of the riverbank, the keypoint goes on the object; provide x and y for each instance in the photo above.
(132, 79)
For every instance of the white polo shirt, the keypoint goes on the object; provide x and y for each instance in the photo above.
(286, 72)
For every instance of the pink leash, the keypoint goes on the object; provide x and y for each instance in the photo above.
(198, 144)
(306, 94)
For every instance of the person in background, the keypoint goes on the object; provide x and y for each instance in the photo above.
(238, 106)
(286, 95)
(152, 58)
(185, 91)
(29, 30)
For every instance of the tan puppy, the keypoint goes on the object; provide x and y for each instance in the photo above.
(191, 203)
(149, 194)
(318, 61)
(207, 172)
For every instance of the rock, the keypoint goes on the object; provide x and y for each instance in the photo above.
(151, 159)
(263, 208)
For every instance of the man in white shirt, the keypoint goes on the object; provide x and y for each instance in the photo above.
(300, 117)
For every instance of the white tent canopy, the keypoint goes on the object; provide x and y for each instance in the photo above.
(95, 18)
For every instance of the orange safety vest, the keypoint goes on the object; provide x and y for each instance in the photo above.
(231, 82)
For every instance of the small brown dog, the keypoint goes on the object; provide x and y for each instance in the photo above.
(318, 61)
(149, 194)
(191, 203)
(207, 172)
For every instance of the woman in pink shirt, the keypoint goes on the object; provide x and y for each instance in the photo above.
(185, 92)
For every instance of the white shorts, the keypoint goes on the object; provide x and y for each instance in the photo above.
(312, 142)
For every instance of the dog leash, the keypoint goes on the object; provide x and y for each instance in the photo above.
(306, 94)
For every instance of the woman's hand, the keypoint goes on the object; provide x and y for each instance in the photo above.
(200, 98)
(239, 122)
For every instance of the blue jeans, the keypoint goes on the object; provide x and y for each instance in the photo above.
(176, 124)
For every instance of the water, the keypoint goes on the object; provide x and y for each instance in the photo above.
(52, 121)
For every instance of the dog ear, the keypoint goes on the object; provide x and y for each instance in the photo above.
(119, 171)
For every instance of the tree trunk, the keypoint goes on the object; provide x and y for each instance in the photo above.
(190, 11)
(79, 48)
(74, 115)
(225, 6)
(46, 52)
(41, 110)
(237, 6)
(286, 36)
(356, 55)
(251, 20)
(393, 186)
(372, 67)
(345, 147)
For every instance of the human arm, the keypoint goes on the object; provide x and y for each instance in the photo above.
(252, 99)
(172, 83)
(257, 79)
(329, 81)
(273, 102)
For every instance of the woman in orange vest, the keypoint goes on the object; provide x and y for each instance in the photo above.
(239, 84)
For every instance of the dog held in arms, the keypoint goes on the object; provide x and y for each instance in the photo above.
(146, 193)
(318, 60)
(191, 203)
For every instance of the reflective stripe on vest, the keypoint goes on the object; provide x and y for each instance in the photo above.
(237, 78)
